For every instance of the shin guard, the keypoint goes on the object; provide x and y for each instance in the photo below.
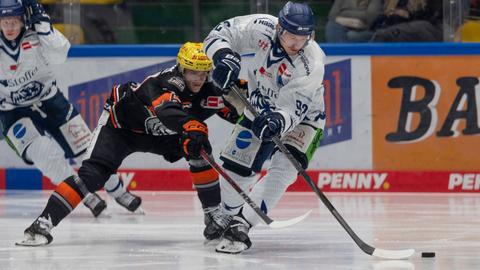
(205, 180)
(64, 199)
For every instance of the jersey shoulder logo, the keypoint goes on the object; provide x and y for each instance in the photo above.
(266, 22)
(26, 45)
(177, 82)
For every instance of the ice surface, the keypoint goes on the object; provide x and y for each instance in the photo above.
(169, 236)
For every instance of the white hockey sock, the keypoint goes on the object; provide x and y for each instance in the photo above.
(114, 186)
(49, 158)
(231, 200)
(268, 191)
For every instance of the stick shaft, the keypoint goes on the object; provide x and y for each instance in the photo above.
(361, 244)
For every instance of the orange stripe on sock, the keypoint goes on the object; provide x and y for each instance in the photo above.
(204, 177)
(69, 194)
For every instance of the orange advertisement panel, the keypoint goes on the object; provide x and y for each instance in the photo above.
(425, 113)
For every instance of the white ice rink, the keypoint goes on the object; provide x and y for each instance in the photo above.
(169, 236)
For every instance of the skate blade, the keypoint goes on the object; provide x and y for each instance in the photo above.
(139, 211)
(104, 214)
(212, 242)
(230, 247)
(39, 240)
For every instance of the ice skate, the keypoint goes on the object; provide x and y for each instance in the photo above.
(130, 202)
(38, 234)
(235, 239)
(216, 222)
(96, 204)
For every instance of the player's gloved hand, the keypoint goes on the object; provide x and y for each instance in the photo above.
(36, 12)
(194, 138)
(268, 125)
(227, 68)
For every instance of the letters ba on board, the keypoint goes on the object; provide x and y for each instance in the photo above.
(425, 112)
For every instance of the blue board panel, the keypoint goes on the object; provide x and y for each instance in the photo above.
(23, 179)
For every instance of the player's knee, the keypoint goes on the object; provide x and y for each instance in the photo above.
(282, 169)
(94, 175)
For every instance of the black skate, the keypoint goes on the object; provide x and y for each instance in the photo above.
(235, 239)
(130, 201)
(216, 222)
(38, 234)
(96, 204)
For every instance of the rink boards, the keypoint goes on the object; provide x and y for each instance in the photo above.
(394, 123)
(337, 181)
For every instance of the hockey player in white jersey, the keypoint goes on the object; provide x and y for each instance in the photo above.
(285, 87)
(31, 105)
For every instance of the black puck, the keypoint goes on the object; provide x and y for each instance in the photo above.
(428, 254)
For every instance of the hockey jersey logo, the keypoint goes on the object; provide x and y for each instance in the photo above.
(263, 44)
(259, 101)
(156, 128)
(213, 102)
(18, 81)
(30, 91)
(26, 45)
(264, 72)
(284, 75)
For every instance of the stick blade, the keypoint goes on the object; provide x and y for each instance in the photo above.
(393, 254)
(277, 224)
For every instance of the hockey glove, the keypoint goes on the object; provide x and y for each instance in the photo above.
(194, 138)
(227, 68)
(268, 125)
(36, 12)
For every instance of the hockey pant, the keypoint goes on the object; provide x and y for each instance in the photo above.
(244, 156)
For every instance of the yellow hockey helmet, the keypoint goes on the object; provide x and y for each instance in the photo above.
(191, 56)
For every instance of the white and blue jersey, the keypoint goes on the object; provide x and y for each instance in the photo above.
(290, 85)
(25, 75)
(30, 102)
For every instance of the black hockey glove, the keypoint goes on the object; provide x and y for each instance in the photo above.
(36, 12)
(227, 68)
(194, 138)
(268, 125)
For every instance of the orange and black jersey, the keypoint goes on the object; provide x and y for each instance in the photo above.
(162, 103)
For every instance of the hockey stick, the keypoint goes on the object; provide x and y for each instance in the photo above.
(381, 253)
(270, 222)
